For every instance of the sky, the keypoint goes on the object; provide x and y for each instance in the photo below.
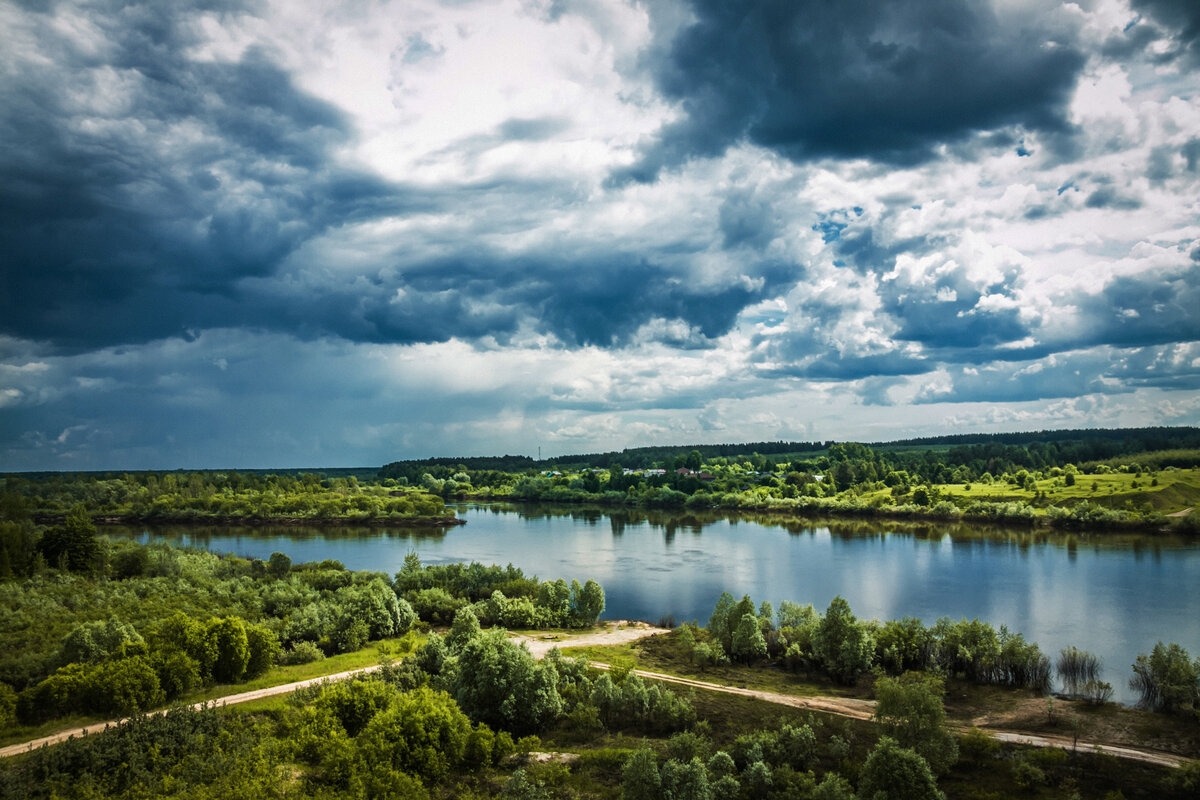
(281, 234)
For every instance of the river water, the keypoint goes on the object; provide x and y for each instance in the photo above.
(1112, 594)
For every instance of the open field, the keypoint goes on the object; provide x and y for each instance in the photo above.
(1166, 491)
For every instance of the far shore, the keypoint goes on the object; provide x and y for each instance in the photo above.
(258, 522)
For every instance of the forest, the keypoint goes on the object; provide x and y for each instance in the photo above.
(1117, 478)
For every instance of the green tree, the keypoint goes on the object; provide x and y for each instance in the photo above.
(465, 628)
(842, 646)
(685, 780)
(910, 710)
(500, 684)
(639, 777)
(91, 642)
(1167, 679)
(232, 648)
(264, 648)
(279, 565)
(421, 733)
(748, 642)
(892, 772)
(718, 623)
(73, 545)
(587, 603)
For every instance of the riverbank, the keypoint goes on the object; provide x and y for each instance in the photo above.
(260, 522)
(1022, 516)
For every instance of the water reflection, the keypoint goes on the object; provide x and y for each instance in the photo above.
(1112, 594)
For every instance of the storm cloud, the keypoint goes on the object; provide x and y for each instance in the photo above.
(878, 79)
(262, 233)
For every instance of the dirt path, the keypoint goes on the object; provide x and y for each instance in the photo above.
(1183, 513)
(865, 710)
(622, 632)
(615, 632)
(228, 700)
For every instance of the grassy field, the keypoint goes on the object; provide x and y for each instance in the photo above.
(1166, 491)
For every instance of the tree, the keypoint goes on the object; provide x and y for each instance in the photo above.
(718, 623)
(639, 777)
(73, 545)
(1167, 679)
(685, 780)
(264, 647)
(841, 645)
(910, 710)
(587, 604)
(279, 565)
(377, 605)
(748, 642)
(421, 733)
(500, 684)
(232, 648)
(465, 628)
(892, 772)
(91, 642)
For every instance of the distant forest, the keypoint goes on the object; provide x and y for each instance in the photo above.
(1040, 449)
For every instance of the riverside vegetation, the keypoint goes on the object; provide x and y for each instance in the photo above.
(1093, 479)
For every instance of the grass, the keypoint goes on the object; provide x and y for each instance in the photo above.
(276, 676)
(1177, 489)
(664, 654)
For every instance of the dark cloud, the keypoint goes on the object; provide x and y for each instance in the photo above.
(1146, 309)
(132, 205)
(747, 218)
(584, 297)
(1178, 21)
(1073, 376)
(887, 80)
(1110, 197)
(173, 200)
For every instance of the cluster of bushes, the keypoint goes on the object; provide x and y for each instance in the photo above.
(842, 647)
(110, 668)
(356, 739)
(497, 682)
(497, 596)
(1167, 679)
(772, 764)
(177, 620)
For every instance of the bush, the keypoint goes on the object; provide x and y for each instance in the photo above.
(1167, 679)
(1028, 776)
(894, 771)
(300, 653)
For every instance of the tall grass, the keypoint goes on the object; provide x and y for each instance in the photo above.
(1077, 668)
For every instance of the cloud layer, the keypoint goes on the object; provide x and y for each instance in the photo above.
(267, 234)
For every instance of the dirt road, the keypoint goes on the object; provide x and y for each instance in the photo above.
(865, 710)
(614, 632)
(622, 632)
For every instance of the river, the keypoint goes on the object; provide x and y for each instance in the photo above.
(1112, 594)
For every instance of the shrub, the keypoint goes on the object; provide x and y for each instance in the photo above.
(300, 653)
(1167, 679)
